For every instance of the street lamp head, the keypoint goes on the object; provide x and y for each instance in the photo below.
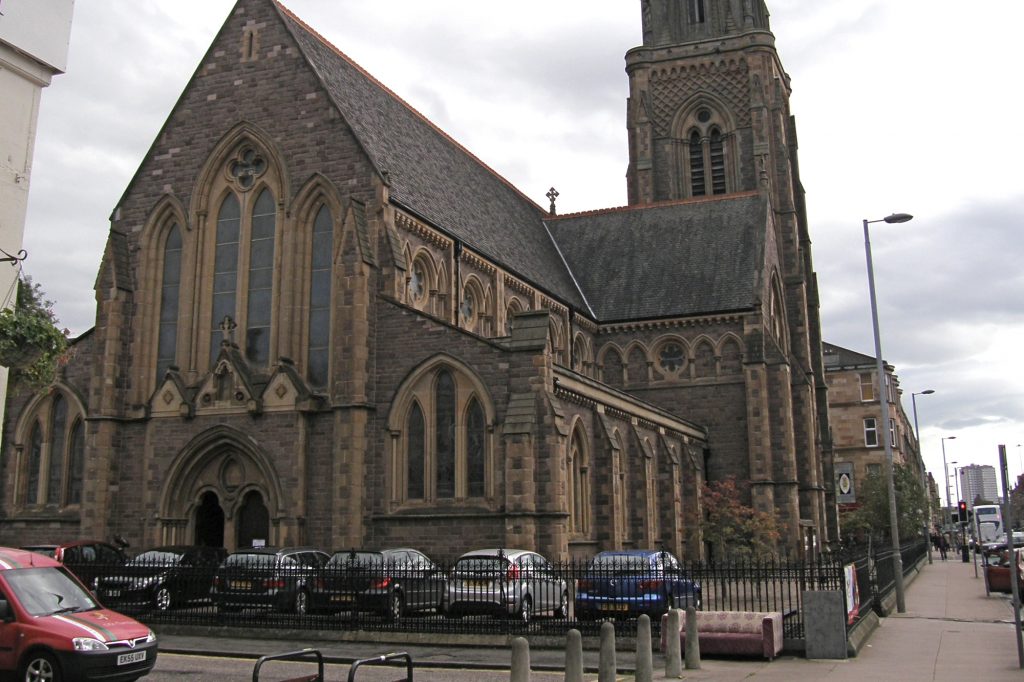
(927, 391)
(898, 218)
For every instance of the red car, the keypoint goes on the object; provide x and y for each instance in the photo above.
(51, 627)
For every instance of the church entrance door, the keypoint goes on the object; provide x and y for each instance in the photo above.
(209, 522)
(253, 521)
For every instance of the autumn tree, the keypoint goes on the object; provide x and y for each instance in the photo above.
(733, 529)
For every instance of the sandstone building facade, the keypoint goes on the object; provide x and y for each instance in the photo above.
(321, 320)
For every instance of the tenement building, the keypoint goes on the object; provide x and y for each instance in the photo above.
(321, 320)
(855, 413)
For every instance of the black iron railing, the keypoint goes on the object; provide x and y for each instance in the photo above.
(452, 598)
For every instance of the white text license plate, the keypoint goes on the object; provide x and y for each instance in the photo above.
(134, 657)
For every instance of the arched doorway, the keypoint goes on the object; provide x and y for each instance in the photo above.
(209, 521)
(253, 525)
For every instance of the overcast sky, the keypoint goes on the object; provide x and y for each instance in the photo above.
(901, 106)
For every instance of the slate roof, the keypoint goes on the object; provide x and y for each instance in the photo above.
(667, 260)
(433, 176)
(839, 357)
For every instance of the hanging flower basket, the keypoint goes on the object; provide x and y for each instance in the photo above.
(31, 345)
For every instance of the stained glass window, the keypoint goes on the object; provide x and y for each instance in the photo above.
(77, 464)
(57, 434)
(415, 451)
(445, 434)
(167, 339)
(320, 297)
(35, 457)
(671, 357)
(225, 270)
(261, 279)
(475, 435)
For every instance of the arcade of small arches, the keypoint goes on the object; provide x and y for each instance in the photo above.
(670, 358)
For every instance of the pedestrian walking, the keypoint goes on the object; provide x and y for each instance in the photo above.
(943, 547)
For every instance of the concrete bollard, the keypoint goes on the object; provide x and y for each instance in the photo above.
(606, 667)
(520, 660)
(673, 651)
(573, 656)
(692, 643)
(644, 662)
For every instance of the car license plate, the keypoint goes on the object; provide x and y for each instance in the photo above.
(341, 597)
(112, 593)
(476, 584)
(614, 607)
(240, 584)
(134, 657)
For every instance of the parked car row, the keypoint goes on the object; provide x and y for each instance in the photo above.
(393, 583)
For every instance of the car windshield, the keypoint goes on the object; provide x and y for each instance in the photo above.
(48, 591)
(481, 565)
(357, 559)
(156, 558)
(621, 563)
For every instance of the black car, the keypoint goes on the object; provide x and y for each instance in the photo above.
(87, 559)
(267, 578)
(162, 578)
(391, 582)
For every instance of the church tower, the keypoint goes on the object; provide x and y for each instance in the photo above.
(709, 116)
(708, 100)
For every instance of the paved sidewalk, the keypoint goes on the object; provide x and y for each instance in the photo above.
(950, 632)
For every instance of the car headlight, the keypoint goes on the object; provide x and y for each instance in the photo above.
(88, 644)
(150, 637)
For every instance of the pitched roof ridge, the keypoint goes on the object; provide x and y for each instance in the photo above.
(405, 104)
(657, 204)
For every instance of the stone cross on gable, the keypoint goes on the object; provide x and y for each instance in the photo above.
(227, 330)
(552, 195)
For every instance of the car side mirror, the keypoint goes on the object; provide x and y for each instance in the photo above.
(6, 614)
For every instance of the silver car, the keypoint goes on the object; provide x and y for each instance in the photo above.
(506, 582)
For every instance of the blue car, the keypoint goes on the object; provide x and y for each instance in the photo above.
(629, 583)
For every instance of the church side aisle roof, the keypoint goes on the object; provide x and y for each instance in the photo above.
(432, 175)
(667, 260)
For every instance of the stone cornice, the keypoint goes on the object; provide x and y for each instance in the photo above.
(410, 224)
(647, 325)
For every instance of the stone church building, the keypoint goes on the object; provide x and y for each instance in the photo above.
(320, 320)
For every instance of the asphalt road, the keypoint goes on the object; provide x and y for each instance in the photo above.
(177, 667)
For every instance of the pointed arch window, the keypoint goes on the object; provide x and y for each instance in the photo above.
(261, 279)
(706, 159)
(444, 411)
(320, 298)
(76, 467)
(170, 291)
(58, 426)
(443, 442)
(415, 434)
(35, 463)
(476, 436)
(579, 486)
(225, 272)
(54, 454)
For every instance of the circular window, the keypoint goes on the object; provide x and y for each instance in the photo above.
(704, 115)
(671, 357)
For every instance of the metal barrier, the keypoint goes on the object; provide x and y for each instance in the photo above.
(294, 656)
(383, 658)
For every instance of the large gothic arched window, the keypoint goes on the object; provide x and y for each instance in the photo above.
(442, 439)
(53, 453)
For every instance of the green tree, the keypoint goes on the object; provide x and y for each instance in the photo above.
(31, 344)
(871, 518)
(736, 530)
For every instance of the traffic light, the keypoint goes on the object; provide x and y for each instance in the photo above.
(962, 511)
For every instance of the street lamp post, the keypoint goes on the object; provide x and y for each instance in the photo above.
(945, 482)
(962, 522)
(897, 559)
(924, 477)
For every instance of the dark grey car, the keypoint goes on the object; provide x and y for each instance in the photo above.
(267, 578)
